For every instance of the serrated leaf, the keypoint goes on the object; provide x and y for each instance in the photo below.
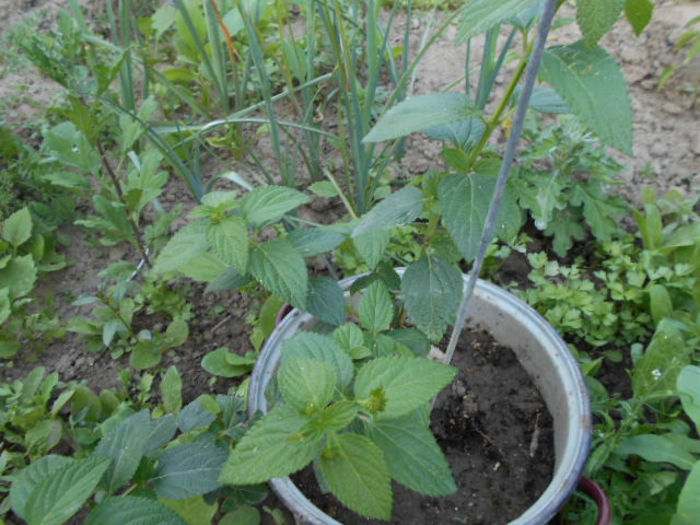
(162, 431)
(565, 229)
(688, 508)
(639, 13)
(18, 276)
(17, 228)
(281, 269)
(464, 204)
(662, 361)
(596, 18)
(195, 416)
(405, 383)
(171, 390)
(313, 241)
(595, 89)
(229, 279)
(688, 386)
(58, 496)
(348, 336)
(270, 203)
(432, 290)
(656, 448)
(599, 210)
(184, 246)
(203, 268)
(371, 246)
(273, 447)
(306, 384)
(355, 470)
(482, 15)
(420, 113)
(336, 416)
(401, 207)
(376, 309)
(323, 348)
(414, 457)
(125, 446)
(411, 338)
(189, 470)
(229, 240)
(195, 511)
(24, 482)
(132, 510)
(326, 300)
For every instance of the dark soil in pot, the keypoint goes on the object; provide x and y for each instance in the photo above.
(496, 432)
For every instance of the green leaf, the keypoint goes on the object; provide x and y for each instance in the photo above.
(481, 15)
(371, 246)
(221, 362)
(336, 416)
(596, 18)
(356, 472)
(464, 203)
(376, 309)
(279, 267)
(326, 300)
(71, 147)
(659, 302)
(688, 385)
(18, 276)
(323, 348)
(162, 431)
(146, 353)
(132, 510)
(414, 457)
(656, 448)
(401, 207)
(639, 13)
(5, 305)
(229, 279)
(184, 246)
(313, 241)
(272, 448)
(24, 483)
(306, 384)
(17, 228)
(229, 240)
(191, 469)
(411, 338)
(403, 383)
(55, 499)
(270, 203)
(348, 336)
(662, 361)
(595, 89)
(565, 228)
(125, 446)
(324, 188)
(176, 333)
(171, 390)
(195, 511)
(195, 416)
(432, 290)
(203, 268)
(688, 508)
(245, 515)
(420, 113)
(599, 210)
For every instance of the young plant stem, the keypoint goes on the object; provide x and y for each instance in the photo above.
(117, 186)
(496, 200)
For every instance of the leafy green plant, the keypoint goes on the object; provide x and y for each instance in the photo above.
(691, 39)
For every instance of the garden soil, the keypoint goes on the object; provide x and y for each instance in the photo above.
(496, 433)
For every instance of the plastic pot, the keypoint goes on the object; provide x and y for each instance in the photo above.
(541, 352)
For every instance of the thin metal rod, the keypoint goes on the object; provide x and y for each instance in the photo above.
(497, 199)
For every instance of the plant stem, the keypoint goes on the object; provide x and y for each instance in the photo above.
(117, 186)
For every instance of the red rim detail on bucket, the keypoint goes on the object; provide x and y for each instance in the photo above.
(595, 491)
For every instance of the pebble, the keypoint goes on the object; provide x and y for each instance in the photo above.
(658, 149)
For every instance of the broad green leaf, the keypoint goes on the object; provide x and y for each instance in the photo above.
(481, 15)
(195, 511)
(176, 333)
(245, 495)
(125, 446)
(356, 472)
(688, 385)
(323, 348)
(71, 147)
(466, 133)
(281, 269)
(110, 329)
(272, 448)
(348, 336)
(326, 300)
(464, 203)
(432, 290)
(336, 416)
(229, 279)
(313, 241)
(414, 457)
(376, 308)
(545, 100)
(656, 448)
(17, 228)
(191, 469)
(270, 203)
(639, 13)
(229, 240)
(145, 354)
(18, 276)
(24, 482)
(688, 508)
(203, 268)
(132, 510)
(58, 496)
(595, 89)
(401, 207)
(171, 390)
(596, 18)
(324, 188)
(411, 338)
(371, 246)
(184, 246)
(306, 384)
(195, 416)
(5, 305)
(420, 113)
(245, 515)
(397, 385)
(659, 302)
(162, 431)
(662, 361)
(221, 362)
